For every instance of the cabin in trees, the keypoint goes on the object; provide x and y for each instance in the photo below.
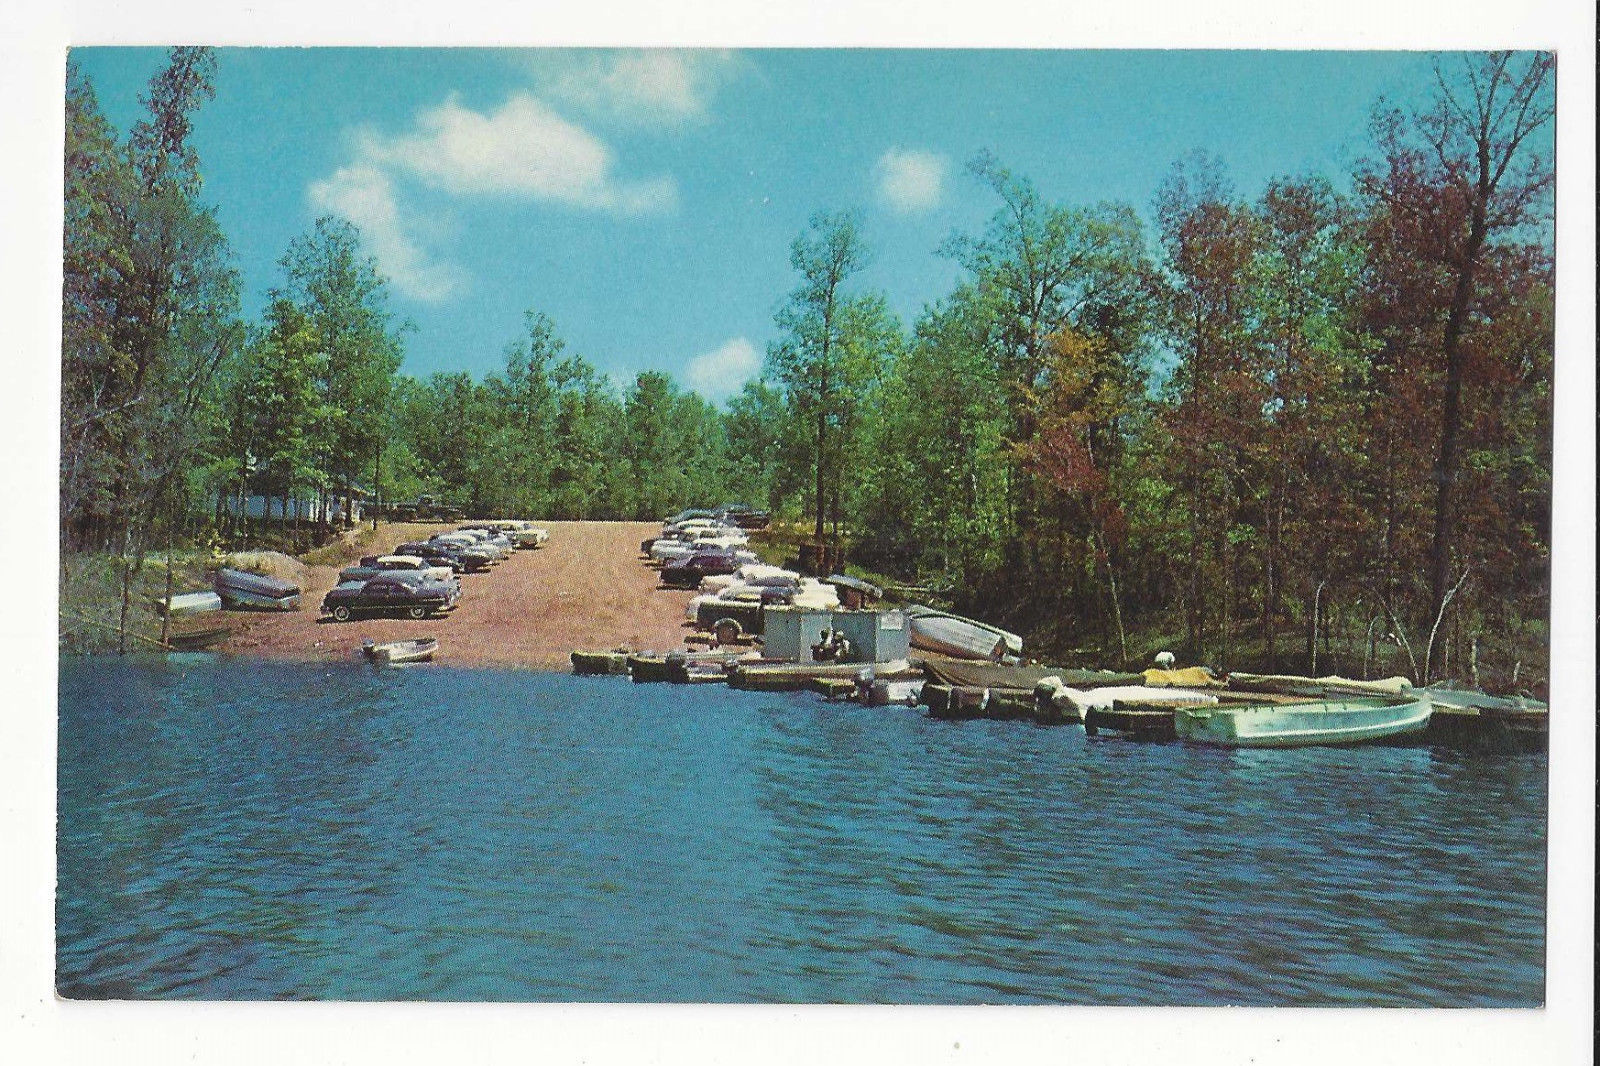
(301, 508)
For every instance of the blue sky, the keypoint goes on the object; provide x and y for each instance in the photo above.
(646, 200)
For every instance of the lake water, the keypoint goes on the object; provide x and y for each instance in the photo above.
(234, 829)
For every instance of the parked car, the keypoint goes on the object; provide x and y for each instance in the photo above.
(688, 571)
(469, 542)
(460, 560)
(493, 543)
(667, 549)
(522, 533)
(765, 595)
(744, 516)
(393, 593)
(492, 532)
(684, 516)
(373, 565)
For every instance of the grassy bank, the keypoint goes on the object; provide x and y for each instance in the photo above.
(91, 598)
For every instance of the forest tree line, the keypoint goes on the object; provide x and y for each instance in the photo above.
(1241, 424)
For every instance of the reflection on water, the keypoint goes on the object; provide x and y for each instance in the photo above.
(237, 829)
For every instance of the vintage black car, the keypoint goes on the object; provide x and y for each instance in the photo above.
(393, 593)
(688, 571)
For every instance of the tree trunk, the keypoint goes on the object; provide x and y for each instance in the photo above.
(822, 436)
(166, 615)
(1448, 464)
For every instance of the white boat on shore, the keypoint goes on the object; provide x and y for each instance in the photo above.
(960, 638)
(401, 651)
(1347, 720)
(189, 603)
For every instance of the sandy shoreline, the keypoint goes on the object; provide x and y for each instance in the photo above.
(586, 588)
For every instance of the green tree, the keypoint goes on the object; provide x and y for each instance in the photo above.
(753, 429)
(278, 419)
(151, 312)
(345, 300)
(830, 353)
(1039, 268)
(99, 193)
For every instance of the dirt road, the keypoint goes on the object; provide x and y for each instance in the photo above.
(586, 588)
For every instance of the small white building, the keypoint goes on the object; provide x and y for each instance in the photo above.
(302, 508)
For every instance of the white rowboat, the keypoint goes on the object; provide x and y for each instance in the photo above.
(958, 637)
(401, 651)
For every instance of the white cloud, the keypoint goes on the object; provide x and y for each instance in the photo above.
(665, 87)
(522, 149)
(364, 195)
(720, 373)
(911, 180)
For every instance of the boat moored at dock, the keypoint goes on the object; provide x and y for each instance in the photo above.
(1347, 720)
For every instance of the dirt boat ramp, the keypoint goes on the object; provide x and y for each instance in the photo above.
(586, 588)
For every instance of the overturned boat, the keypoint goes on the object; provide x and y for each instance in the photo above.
(960, 638)
(240, 588)
(185, 604)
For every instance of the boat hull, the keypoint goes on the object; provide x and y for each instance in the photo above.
(1294, 725)
(959, 638)
(188, 604)
(239, 588)
(401, 651)
(237, 597)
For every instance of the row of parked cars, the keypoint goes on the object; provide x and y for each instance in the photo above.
(708, 550)
(420, 578)
(696, 544)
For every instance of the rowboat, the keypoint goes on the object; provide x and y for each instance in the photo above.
(599, 662)
(1467, 718)
(771, 676)
(188, 632)
(958, 637)
(401, 651)
(239, 588)
(189, 603)
(1346, 720)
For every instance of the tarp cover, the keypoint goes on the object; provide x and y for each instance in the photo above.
(1021, 678)
(1303, 686)
(1188, 677)
(1103, 699)
(270, 564)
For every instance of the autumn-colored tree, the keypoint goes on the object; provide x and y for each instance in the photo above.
(1467, 180)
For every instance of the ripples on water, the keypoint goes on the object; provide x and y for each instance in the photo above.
(237, 829)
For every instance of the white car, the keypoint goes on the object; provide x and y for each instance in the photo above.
(415, 562)
(523, 534)
(698, 526)
(749, 574)
(467, 540)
